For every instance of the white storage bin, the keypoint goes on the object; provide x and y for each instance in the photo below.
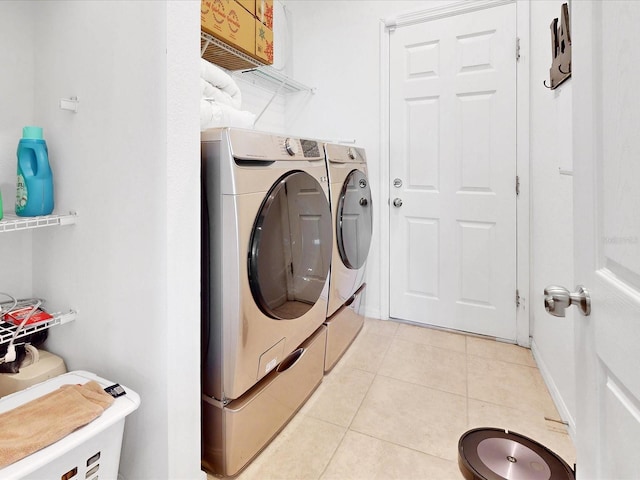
(89, 453)
(47, 366)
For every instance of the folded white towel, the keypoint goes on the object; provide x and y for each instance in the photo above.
(214, 114)
(209, 92)
(221, 80)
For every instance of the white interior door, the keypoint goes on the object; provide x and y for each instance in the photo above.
(453, 153)
(606, 76)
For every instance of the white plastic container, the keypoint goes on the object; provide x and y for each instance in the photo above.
(47, 366)
(89, 453)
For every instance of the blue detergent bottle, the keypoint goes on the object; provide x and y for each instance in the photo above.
(34, 192)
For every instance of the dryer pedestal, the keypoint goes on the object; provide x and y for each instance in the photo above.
(232, 435)
(342, 328)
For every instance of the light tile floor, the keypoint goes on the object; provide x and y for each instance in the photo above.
(396, 404)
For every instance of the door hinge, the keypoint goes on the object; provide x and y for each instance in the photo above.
(517, 185)
(517, 298)
(517, 48)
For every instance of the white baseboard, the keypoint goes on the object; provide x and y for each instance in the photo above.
(564, 412)
(374, 313)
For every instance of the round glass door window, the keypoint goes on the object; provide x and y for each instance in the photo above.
(354, 220)
(290, 247)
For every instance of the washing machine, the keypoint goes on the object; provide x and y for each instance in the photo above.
(266, 254)
(352, 219)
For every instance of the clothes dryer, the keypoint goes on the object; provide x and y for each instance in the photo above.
(266, 253)
(352, 217)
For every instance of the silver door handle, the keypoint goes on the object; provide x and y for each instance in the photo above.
(397, 202)
(557, 299)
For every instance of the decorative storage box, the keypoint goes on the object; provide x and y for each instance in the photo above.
(90, 452)
(264, 43)
(264, 12)
(237, 35)
(249, 5)
(228, 21)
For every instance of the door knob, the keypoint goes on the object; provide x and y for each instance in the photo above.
(557, 299)
(397, 202)
(364, 202)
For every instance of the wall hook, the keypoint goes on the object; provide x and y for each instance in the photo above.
(544, 82)
(70, 104)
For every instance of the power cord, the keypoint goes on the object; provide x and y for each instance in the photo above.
(13, 300)
(10, 355)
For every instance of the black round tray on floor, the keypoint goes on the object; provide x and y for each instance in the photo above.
(497, 454)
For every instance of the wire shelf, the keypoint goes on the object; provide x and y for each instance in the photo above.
(12, 223)
(248, 68)
(7, 330)
(272, 80)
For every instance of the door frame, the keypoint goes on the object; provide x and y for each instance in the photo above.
(523, 205)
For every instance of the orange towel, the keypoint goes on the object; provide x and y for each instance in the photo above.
(45, 420)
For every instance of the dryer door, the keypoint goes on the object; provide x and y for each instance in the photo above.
(290, 248)
(354, 220)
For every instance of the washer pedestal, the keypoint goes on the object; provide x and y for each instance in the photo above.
(232, 435)
(342, 328)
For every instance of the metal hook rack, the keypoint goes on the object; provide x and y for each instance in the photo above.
(560, 50)
(558, 79)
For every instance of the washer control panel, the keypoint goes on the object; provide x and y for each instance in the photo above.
(308, 148)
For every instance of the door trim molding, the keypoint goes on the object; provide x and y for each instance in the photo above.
(523, 204)
(523, 170)
(457, 8)
(384, 208)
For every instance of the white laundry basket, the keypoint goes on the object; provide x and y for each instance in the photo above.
(89, 453)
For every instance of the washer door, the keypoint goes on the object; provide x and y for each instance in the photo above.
(290, 247)
(354, 220)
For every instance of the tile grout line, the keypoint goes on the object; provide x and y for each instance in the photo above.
(334, 453)
(348, 427)
(422, 452)
(375, 376)
(346, 430)
(422, 385)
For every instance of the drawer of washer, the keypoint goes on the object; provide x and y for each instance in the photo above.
(234, 434)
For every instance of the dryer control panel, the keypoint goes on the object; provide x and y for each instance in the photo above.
(345, 154)
(249, 145)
